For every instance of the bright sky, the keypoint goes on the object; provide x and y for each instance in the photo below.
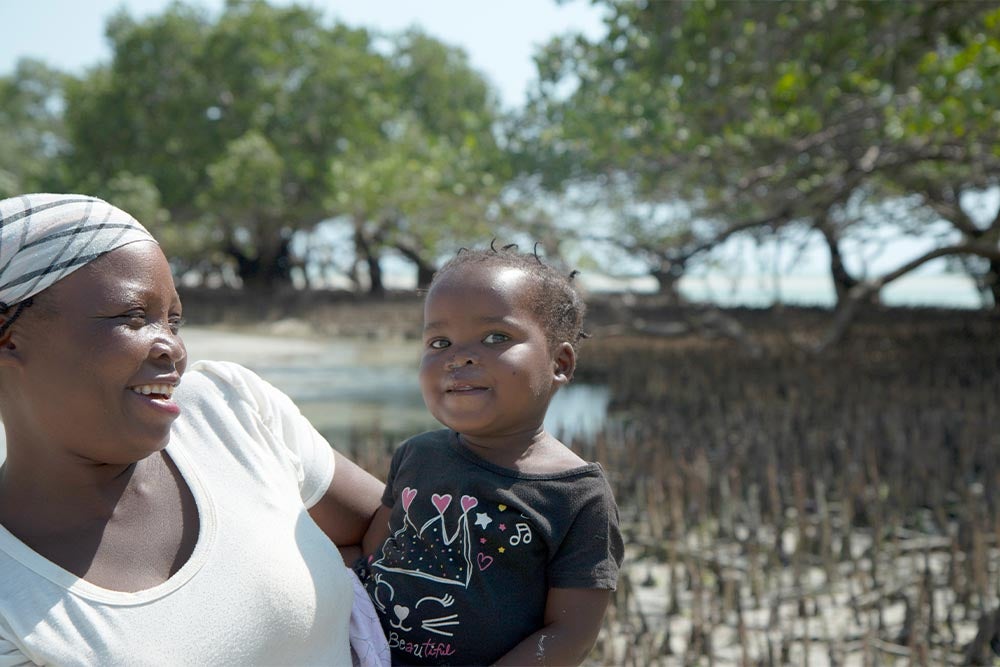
(500, 36)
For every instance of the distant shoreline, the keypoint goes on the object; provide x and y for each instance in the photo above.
(398, 313)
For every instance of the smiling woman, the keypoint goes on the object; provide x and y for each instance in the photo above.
(147, 514)
(92, 350)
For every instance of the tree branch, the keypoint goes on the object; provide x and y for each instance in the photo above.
(863, 291)
(953, 213)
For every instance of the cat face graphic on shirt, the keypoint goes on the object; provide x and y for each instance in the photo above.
(429, 613)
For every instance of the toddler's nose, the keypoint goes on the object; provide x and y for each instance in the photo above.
(461, 359)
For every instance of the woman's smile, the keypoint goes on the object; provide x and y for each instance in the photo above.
(158, 390)
(157, 397)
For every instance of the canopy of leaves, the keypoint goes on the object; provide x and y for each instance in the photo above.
(758, 113)
(32, 136)
(428, 184)
(239, 123)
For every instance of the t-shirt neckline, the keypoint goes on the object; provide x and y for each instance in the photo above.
(455, 441)
(205, 508)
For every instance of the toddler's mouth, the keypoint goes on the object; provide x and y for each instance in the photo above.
(464, 388)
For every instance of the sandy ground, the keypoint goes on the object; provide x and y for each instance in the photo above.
(847, 624)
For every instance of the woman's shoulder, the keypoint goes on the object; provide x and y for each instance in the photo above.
(218, 372)
(207, 381)
(220, 391)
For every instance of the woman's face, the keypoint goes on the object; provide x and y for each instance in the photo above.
(99, 356)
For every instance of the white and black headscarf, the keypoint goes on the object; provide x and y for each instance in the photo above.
(46, 237)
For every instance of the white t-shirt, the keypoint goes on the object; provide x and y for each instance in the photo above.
(264, 585)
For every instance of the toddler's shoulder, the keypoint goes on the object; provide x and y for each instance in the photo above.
(423, 447)
(428, 440)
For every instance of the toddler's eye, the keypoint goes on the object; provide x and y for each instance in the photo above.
(494, 338)
(439, 343)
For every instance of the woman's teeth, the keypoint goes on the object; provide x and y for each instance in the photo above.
(147, 389)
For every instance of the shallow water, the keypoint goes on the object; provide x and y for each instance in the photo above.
(345, 385)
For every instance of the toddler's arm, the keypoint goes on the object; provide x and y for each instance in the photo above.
(573, 617)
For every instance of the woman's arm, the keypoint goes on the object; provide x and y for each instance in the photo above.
(346, 509)
(573, 617)
(378, 531)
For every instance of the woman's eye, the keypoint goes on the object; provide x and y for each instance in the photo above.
(135, 318)
(438, 344)
(494, 338)
(176, 323)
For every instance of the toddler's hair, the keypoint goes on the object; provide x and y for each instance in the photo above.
(552, 297)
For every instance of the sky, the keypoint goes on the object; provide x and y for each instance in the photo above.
(500, 38)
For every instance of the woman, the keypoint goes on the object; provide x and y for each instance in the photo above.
(148, 516)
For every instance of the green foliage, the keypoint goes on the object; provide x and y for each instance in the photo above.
(246, 181)
(429, 181)
(415, 192)
(767, 113)
(32, 135)
(139, 196)
(242, 125)
(436, 84)
(145, 112)
(187, 101)
(687, 123)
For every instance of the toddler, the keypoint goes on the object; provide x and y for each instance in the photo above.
(495, 544)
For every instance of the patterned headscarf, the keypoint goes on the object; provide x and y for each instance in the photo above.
(46, 237)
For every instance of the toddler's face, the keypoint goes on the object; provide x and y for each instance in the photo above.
(487, 368)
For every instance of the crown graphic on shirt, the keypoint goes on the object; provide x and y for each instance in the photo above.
(429, 551)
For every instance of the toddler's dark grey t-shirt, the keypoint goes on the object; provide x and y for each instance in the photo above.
(474, 548)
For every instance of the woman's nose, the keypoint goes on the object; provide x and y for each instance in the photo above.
(168, 345)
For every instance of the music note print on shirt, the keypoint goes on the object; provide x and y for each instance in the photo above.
(523, 535)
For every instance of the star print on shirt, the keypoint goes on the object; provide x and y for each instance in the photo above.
(502, 526)
(483, 519)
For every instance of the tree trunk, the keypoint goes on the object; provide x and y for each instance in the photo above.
(842, 280)
(668, 276)
(868, 290)
(425, 270)
(376, 287)
(365, 248)
(269, 269)
(991, 282)
(981, 650)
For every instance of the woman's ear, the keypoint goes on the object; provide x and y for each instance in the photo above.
(8, 334)
(8, 349)
(564, 361)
